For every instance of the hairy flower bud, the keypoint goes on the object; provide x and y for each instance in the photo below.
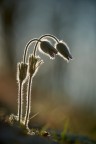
(47, 48)
(21, 71)
(34, 63)
(63, 50)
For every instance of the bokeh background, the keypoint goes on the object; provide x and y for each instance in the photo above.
(63, 93)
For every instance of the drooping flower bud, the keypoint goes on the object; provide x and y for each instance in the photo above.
(34, 63)
(63, 50)
(21, 71)
(47, 48)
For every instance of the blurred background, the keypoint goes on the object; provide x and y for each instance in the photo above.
(62, 92)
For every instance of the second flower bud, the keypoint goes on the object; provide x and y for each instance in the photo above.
(34, 64)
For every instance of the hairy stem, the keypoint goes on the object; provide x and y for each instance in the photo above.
(43, 36)
(20, 102)
(26, 48)
(28, 100)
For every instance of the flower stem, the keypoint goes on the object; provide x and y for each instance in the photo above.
(26, 48)
(20, 102)
(28, 100)
(46, 35)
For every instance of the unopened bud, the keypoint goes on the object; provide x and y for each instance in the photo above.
(64, 51)
(34, 63)
(47, 48)
(21, 71)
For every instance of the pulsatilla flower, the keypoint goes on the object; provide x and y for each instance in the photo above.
(63, 50)
(47, 48)
(21, 71)
(34, 64)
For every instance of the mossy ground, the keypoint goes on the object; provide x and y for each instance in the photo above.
(14, 133)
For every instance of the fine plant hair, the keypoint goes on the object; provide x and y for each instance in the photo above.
(28, 67)
(21, 76)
